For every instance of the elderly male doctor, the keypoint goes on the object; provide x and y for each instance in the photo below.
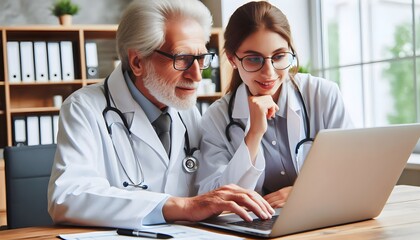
(111, 168)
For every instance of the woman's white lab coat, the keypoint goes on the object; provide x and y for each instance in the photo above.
(227, 162)
(86, 185)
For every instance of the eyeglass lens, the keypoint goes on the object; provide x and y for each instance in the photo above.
(280, 61)
(183, 62)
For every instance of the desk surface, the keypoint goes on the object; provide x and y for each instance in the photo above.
(400, 219)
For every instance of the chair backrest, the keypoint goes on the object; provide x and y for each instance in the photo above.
(28, 170)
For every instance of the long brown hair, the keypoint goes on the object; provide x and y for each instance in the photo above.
(248, 19)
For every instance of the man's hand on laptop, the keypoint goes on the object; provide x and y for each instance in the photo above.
(278, 198)
(230, 198)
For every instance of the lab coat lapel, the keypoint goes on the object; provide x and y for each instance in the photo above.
(241, 107)
(294, 120)
(139, 124)
(177, 137)
(143, 129)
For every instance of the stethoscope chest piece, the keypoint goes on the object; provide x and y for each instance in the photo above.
(190, 164)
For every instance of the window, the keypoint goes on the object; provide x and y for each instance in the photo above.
(371, 48)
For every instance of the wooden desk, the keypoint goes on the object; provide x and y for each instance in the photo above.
(400, 219)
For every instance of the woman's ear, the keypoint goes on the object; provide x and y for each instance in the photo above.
(231, 60)
(134, 60)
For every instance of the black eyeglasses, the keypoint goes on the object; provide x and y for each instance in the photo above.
(184, 61)
(253, 63)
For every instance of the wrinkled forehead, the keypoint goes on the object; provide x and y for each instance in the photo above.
(184, 36)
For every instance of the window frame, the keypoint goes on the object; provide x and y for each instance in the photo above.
(319, 58)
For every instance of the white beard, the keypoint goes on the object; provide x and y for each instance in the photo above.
(165, 92)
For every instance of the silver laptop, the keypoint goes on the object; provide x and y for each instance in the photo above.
(347, 177)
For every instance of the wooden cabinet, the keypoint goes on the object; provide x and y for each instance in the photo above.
(36, 98)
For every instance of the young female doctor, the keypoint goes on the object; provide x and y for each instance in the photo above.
(258, 135)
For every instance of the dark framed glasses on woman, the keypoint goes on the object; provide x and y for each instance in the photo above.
(254, 62)
(182, 62)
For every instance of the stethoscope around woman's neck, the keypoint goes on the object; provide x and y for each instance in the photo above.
(189, 163)
(232, 122)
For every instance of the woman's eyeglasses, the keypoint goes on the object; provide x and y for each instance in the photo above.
(253, 63)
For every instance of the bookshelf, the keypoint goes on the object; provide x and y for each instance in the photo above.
(35, 98)
(31, 98)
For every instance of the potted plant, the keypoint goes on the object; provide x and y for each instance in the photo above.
(206, 73)
(207, 86)
(64, 9)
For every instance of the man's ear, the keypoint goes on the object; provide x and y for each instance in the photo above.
(134, 60)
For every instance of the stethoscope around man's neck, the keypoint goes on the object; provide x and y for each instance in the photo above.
(232, 122)
(190, 163)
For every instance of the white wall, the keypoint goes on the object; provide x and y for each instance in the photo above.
(297, 12)
(21, 12)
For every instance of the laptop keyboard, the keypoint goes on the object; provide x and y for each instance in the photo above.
(257, 223)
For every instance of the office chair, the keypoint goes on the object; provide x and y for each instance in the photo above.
(28, 170)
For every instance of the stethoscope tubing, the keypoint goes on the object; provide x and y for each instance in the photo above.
(190, 163)
(307, 126)
(307, 123)
(107, 109)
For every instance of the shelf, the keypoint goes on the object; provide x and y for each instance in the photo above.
(34, 110)
(97, 34)
(78, 82)
(210, 98)
(93, 81)
(41, 35)
(73, 27)
(35, 98)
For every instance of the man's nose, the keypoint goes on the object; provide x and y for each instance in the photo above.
(193, 72)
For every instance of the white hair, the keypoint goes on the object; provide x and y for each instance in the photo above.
(142, 26)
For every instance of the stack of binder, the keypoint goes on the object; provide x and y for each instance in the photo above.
(35, 130)
(40, 61)
(27, 61)
(13, 61)
(91, 60)
(40, 55)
